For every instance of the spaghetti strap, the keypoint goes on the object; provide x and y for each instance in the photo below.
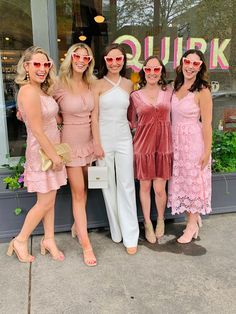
(111, 82)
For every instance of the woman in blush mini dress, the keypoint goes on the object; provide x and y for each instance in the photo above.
(35, 76)
(80, 131)
(112, 93)
(190, 186)
(149, 114)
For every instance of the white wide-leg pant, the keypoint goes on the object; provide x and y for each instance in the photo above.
(120, 196)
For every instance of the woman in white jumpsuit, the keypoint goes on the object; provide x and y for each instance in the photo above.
(112, 95)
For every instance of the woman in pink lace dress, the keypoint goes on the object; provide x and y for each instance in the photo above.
(149, 113)
(190, 186)
(80, 131)
(35, 75)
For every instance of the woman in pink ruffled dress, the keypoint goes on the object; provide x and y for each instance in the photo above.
(35, 76)
(149, 113)
(80, 131)
(190, 186)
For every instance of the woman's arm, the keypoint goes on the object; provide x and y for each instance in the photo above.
(205, 104)
(132, 114)
(57, 94)
(59, 118)
(30, 100)
(98, 150)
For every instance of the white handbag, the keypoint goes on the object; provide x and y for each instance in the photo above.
(97, 177)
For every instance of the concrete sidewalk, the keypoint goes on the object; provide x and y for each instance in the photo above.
(168, 277)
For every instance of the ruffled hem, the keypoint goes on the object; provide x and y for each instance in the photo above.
(82, 156)
(151, 166)
(81, 162)
(82, 151)
(44, 182)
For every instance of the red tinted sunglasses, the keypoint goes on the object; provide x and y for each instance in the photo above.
(156, 70)
(118, 59)
(195, 64)
(38, 65)
(79, 58)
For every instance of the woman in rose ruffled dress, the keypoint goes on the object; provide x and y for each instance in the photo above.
(35, 76)
(80, 131)
(149, 114)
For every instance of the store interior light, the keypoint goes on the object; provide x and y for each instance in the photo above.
(7, 38)
(99, 18)
(58, 39)
(82, 37)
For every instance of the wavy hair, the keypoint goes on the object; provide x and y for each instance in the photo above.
(162, 82)
(201, 78)
(21, 76)
(66, 70)
(103, 68)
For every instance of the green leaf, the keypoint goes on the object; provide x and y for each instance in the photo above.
(224, 151)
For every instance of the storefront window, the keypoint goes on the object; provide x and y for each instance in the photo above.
(164, 28)
(15, 37)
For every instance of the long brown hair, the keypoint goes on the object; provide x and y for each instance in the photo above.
(162, 82)
(103, 68)
(201, 78)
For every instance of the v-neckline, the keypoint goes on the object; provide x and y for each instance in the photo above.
(179, 99)
(146, 100)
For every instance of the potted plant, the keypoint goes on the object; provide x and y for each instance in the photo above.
(224, 171)
(15, 181)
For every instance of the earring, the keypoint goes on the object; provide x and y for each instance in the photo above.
(160, 82)
(27, 76)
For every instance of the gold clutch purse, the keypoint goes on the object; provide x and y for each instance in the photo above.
(63, 150)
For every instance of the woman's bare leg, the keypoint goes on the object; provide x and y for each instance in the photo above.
(77, 184)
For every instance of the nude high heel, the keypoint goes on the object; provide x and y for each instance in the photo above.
(12, 249)
(160, 228)
(199, 222)
(73, 231)
(44, 249)
(191, 232)
(149, 233)
(90, 262)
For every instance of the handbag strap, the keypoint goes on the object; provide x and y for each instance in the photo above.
(91, 161)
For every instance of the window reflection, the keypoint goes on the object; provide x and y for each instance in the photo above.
(15, 37)
(165, 28)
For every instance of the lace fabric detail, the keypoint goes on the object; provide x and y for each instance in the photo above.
(189, 187)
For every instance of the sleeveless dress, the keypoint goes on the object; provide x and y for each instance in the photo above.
(152, 141)
(76, 131)
(35, 179)
(116, 141)
(189, 187)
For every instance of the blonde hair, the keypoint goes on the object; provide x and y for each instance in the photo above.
(66, 71)
(21, 76)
